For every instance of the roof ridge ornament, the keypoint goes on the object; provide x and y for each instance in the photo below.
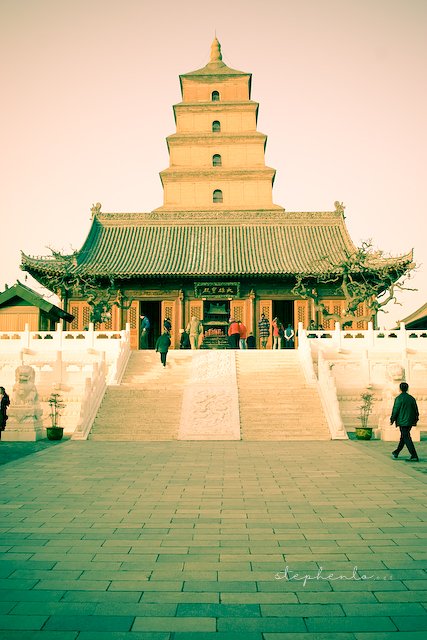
(95, 209)
(216, 55)
(339, 207)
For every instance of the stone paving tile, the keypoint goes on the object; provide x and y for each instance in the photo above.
(125, 635)
(248, 635)
(310, 636)
(175, 624)
(38, 635)
(88, 623)
(183, 540)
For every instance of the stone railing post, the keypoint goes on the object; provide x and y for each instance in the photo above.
(25, 342)
(59, 336)
(91, 335)
(337, 337)
(402, 335)
(370, 334)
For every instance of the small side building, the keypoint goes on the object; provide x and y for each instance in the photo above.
(20, 305)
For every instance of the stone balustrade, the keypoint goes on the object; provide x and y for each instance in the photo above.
(72, 362)
(355, 339)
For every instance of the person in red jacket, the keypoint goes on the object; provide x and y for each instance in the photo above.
(234, 334)
(243, 333)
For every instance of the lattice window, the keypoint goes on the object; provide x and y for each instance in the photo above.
(360, 311)
(238, 313)
(196, 312)
(326, 323)
(168, 311)
(265, 309)
(132, 317)
(301, 315)
(86, 317)
(75, 322)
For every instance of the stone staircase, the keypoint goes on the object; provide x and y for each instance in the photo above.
(147, 404)
(192, 398)
(275, 400)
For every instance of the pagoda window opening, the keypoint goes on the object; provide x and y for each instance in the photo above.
(216, 125)
(216, 160)
(215, 96)
(217, 196)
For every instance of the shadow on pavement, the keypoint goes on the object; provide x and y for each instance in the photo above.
(10, 451)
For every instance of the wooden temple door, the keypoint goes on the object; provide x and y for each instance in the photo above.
(81, 312)
(168, 311)
(266, 308)
(237, 310)
(133, 320)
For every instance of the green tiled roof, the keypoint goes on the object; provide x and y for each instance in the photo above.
(207, 244)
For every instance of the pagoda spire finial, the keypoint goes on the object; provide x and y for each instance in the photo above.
(216, 54)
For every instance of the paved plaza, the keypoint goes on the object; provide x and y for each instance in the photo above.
(221, 540)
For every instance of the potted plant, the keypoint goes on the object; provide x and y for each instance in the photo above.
(56, 404)
(364, 432)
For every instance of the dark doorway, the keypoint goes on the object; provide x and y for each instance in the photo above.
(153, 312)
(284, 310)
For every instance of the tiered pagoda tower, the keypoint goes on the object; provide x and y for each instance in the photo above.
(217, 155)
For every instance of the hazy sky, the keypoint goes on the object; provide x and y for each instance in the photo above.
(88, 88)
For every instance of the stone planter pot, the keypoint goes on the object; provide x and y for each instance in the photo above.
(363, 433)
(54, 433)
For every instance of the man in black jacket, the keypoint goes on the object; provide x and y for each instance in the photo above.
(405, 414)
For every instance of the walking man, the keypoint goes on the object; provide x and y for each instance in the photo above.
(162, 346)
(405, 414)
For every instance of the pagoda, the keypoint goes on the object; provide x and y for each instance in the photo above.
(218, 247)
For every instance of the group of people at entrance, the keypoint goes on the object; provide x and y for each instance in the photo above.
(282, 337)
(238, 335)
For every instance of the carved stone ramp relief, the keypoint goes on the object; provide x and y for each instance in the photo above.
(210, 408)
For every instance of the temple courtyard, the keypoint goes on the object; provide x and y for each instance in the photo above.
(225, 540)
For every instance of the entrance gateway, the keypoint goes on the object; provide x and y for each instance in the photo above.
(214, 304)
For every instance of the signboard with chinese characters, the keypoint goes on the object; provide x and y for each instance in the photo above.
(217, 289)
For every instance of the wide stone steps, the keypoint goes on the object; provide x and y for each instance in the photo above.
(147, 404)
(275, 400)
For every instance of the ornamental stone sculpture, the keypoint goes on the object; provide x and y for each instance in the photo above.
(25, 412)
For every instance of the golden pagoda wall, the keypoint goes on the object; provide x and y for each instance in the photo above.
(230, 89)
(237, 194)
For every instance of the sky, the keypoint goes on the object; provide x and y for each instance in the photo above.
(87, 94)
